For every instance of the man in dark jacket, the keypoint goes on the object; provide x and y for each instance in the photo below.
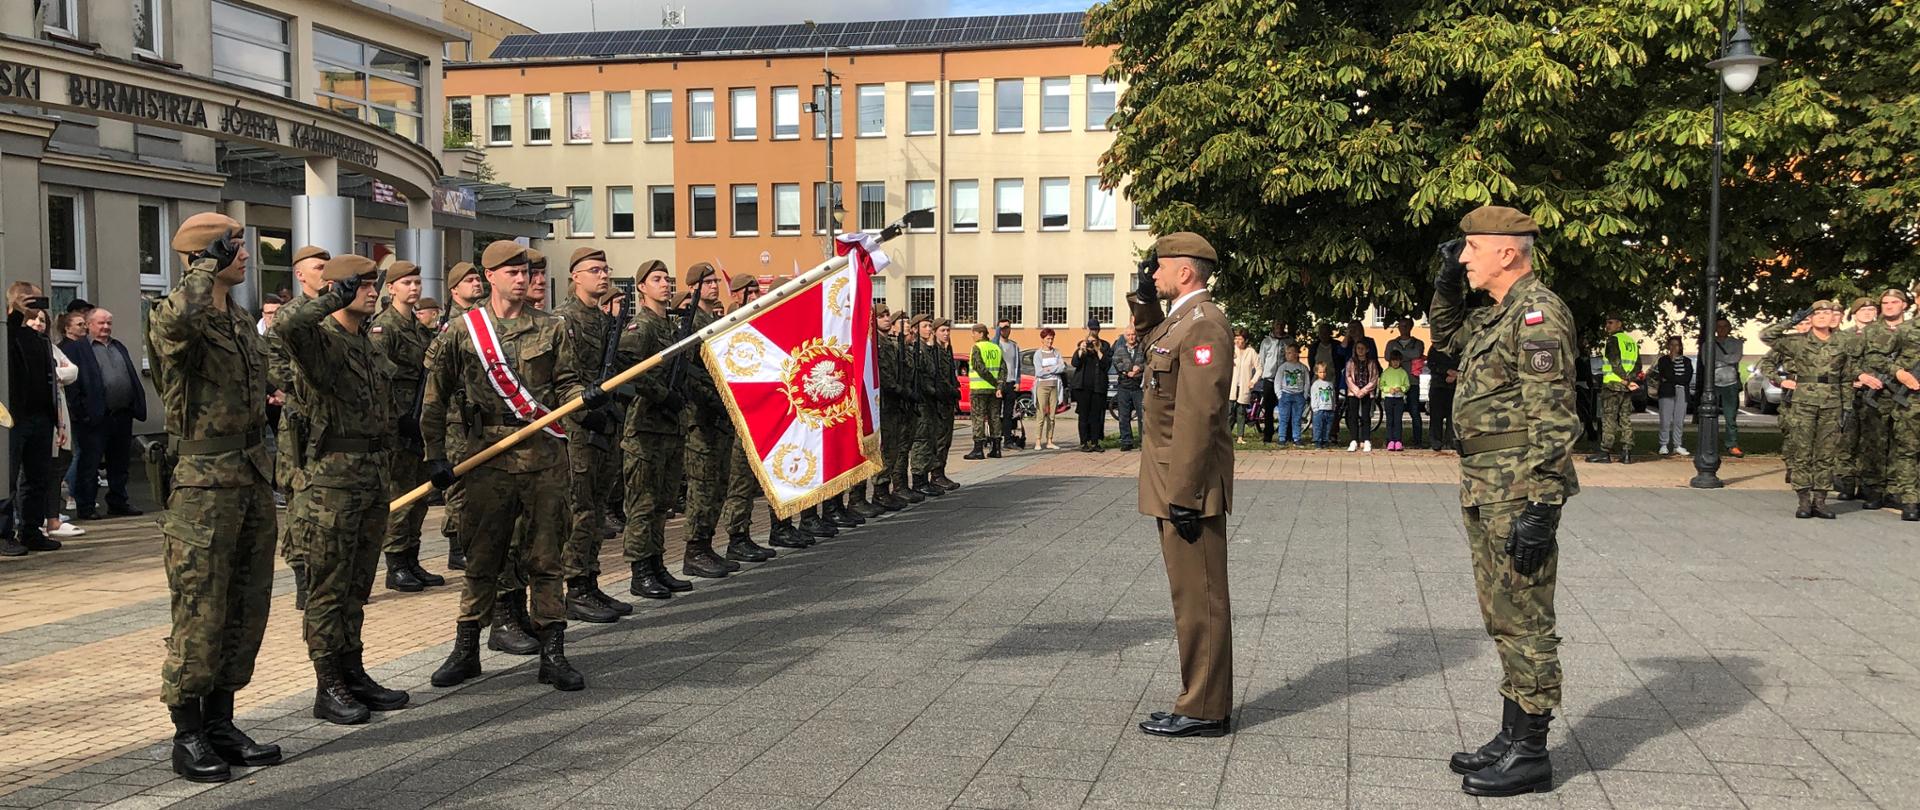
(1091, 360)
(104, 403)
(30, 397)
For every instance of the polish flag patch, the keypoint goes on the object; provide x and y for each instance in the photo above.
(1534, 317)
(1202, 355)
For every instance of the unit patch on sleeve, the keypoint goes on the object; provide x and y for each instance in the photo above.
(1202, 355)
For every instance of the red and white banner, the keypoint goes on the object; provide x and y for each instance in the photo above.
(486, 343)
(799, 384)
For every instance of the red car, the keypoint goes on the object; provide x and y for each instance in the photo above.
(1022, 406)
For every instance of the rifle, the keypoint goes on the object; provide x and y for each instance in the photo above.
(677, 370)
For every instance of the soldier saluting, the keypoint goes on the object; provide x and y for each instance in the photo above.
(1824, 363)
(1514, 416)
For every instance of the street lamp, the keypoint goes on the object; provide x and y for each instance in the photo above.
(1739, 66)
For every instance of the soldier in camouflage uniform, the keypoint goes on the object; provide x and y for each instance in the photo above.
(1872, 421)
(465, 288)
(651, 438)
(402, 339)
(928, 367)
(947, 404)
(1620, 374)
(293, 433)
(1822, 364)
(592, 464)
(218, 530)
(710, 439)
(514, 580)
(1903, 460)
(736, 513)
(344, 387)
(1515, 417)
(534, 353)
(888, 363)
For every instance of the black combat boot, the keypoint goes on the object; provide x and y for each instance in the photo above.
(400, 575)
(193, 755)
(1910, 512)
(611, 526)
(1600, 457)
(427, 578)
(905, 492)
(1820, 509)
(299, 586)
(926, 487)
(507, 635)
(604, 598)
(644, 584)
(700, 561)
(994, 452)
(331, 700)
(365, 689)
(785, 535)
(940, 479)
(1626, 455)
(554, 668)
(839, 517)
(1466, 762)
(1848, 490)
(582, 606)
(232, 744)
(863, 507)
(844, 506)
(673, 583)
(812, 525)
(979, 450)
(1873, 498)
(1806, 505)
(456, 558)
(741, 547)
(1524, 768)
(884, 497)
(464, 661)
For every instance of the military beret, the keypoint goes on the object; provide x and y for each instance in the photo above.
(1863, 301)
(581, 254)
(612, 294)
(401, 269)
(939, 322)
(899, 314)
(502, 253)
(427, 303)
(310, 252)
(1184, 243)
(1498, 220)
(651, 266)
(699, 272)
(536, 260)
(349, 267)
(743, 281)
(459, 272)
(201, 229)
(1825, 304)
(681, 299)
(1896, 291)
(919, 319)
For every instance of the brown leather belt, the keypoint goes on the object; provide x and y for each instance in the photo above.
(216, 444)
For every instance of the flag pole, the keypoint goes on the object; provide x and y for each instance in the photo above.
(727, 321)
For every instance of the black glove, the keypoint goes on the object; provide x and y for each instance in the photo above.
(1800, 316)
(1143, 286)
(595, 421)
(344, 291)
(222, 251)
(1451, 282)
(410, 429)
(442, 476)
(673, 402)
(1532, 541)
(1186, 522)
(593, 398)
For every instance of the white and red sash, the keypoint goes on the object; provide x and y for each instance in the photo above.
(487, 343)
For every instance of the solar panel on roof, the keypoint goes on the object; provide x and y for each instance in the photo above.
(871, 34)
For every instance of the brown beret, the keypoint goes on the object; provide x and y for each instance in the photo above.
(899, 314)
(349, 267)
(459, 272)
(310, 252)
(939, 322)
(1825, 304)
(1498, 220)
(1899, 293)
(1184, 243)
(743, 281)
(651, 266)
(536, 260)
(201, 229)
(681, 299)
(401, 269)
(581, 254)
(427, 303)
(919, 319)
(1863, 301)
(502, 253)
(698, 273)
(612, 294)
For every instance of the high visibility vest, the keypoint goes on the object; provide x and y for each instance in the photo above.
(989, 355)
(1629, 357)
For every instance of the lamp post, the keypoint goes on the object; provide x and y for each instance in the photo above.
(1739, 65)
(824, 109)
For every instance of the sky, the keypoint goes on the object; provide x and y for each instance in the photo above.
(610, 15)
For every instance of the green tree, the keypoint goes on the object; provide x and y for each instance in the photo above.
(1327, 147)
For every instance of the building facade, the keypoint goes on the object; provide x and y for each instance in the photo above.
(687, 153)
(484, 29)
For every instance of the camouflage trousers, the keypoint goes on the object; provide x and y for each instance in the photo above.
(943, 443)
(1813, 444)
(592, 467)
(489, 522)
(456, 495)
(896, 444)
(736, 515)
(219, 557)
(1616, 429)
(1866, 464)
(652, 463)
(339, 529)
(283, 464)
(1518, 610)
(984, 411)
(928, 429)
(709, 458)
(1903, 459)
(405, 470)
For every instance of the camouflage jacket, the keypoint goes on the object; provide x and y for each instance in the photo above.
(343, 386)
(949, 373)
(1879, 349)
(1516, 376)
(534, 346)
(210, 367)
(933, 389)
(403, 340)
(705, 406)
(647, 335)
(1823, 371)
(588, 330)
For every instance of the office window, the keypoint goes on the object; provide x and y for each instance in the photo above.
(620, 210)
(920, 295)
(873, 206)
(1055, 96)
(879, 291)
(836, 111)
(1140, 222)
(786, 113)
(1053, 300)
(619, 117)
(66, 247)
(579, 118)
(250, 48)
(149, 19)
(1054, 201)
(62, 16)
(964, 200)
(1102, 95)
(699, 115)
(499, 120)
(369, 82)
(746, 210)
(1100, 299)
(873, 110)
(1009, 105)
(704, 215)
(1006, 299)
(660, 199)
(659, 115)
(155, 240)
(964, 98)
(920, 109)
(582, 220)
(920, 198)
(460, 121)
(1099, 206)
(786, 208)
(539, 119)
(1009, 201)
(822, 204)
(964, 298)
(743, 103)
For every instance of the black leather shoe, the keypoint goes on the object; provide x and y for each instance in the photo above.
(994, 448)
(812, 525)
(554, 667)
(700, 561)
(331, 700)
(784, 535)
(867, 509)
(1820, 509)
(673, 583)
(1180, 725)
(888, 500)
(364, 688)
(606, 599)
(39, 542)
(427, 578)
(940, 478)
(841, 518)
(10, 547)
(456, 559)
(979, 451)
(1523, 768)
(644, 584)
(1873, 499)
(582, 606)
(1805, 511)
(1626, 457)
(1910, 512)
(232, 744)
(907, 494)
(299, 586)
(1600, 458)
(508, 634)
(193, 756)
(124, 510)
(741, 547)
(400, 575)
(1466, 762)
(464, 661)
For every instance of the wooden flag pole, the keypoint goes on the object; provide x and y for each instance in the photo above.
(731, 319)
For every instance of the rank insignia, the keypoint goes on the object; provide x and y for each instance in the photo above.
(1202, 355)
(1534, 317)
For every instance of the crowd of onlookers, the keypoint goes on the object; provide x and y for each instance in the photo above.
(1342, 387)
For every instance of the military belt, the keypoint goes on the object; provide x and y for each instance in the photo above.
(498, 420)
(341, 444)
(1491, 442)
(216, 444)
(1829, 379)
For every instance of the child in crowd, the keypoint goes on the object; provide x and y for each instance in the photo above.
(1394, 383)
(1322, 396)
(1291, 384)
